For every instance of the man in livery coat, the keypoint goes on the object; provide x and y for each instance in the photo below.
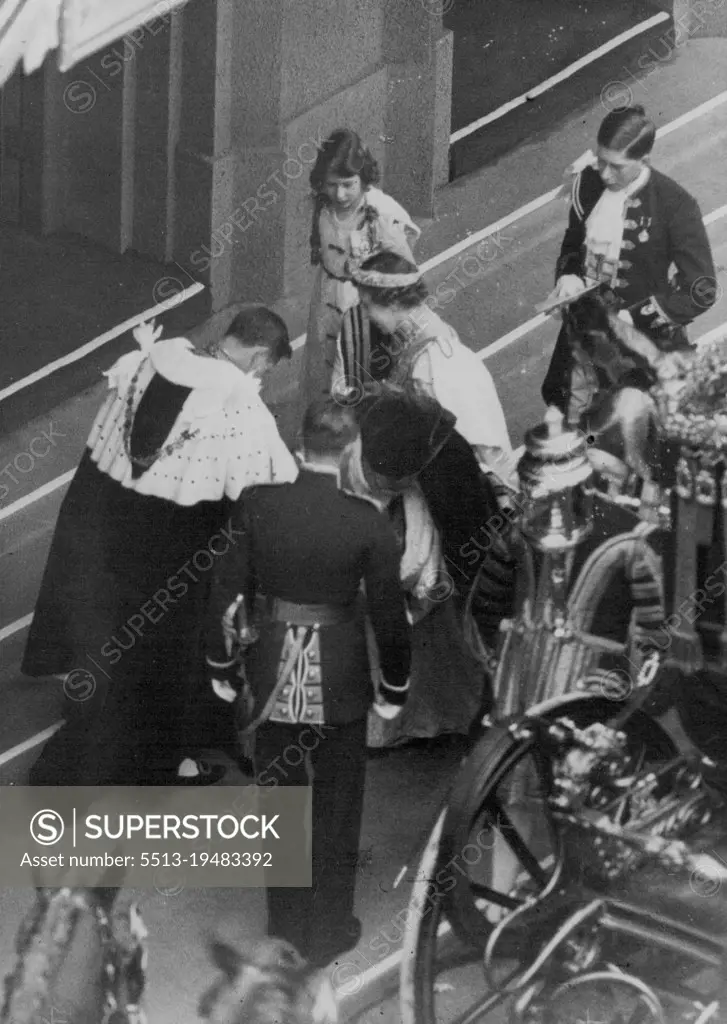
(641, 236)
(308, 547)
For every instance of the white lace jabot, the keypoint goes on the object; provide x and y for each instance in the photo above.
(604, 231)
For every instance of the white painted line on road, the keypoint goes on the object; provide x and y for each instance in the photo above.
(91, 346)
(492, 229)
(33, 741)
(37, 494)
(691, 115)
(536, 204)
(512, 336)
(541, 318)
(717, 214)
(469, 129)
(15, 627)
(490, 350)
(554, 80)
(612, 44)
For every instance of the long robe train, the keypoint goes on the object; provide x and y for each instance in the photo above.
(121, 607)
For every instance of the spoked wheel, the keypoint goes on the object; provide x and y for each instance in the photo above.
(496, 845)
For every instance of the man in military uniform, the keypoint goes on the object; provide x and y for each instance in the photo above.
(308, 547)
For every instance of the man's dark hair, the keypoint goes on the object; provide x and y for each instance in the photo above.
(629, 131)
(258, 325)
(328, 427)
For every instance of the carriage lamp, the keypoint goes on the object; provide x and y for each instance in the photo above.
(555, 479)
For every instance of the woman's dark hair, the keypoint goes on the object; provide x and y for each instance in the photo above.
(402, 429)
(629, 131)
(344, 154)
(409, 296)
(258, 325)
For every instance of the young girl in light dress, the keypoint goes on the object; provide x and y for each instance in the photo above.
(352, 219)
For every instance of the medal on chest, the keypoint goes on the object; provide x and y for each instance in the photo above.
(644, 224)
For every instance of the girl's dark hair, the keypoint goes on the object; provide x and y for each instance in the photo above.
(629, 131)
(344, 154)
(409, 296)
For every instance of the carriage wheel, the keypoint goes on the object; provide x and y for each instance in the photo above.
(494, 846)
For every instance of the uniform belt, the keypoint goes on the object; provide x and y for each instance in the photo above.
(309, 614)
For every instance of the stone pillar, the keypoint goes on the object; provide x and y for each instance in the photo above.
(228, 230)
(158, 58)
(418, 113)
(11, 153)
(94, 131)
(33, 162)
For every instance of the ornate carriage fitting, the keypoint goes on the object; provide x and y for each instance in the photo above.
(554, 476)
(566, 877)
(551, 647)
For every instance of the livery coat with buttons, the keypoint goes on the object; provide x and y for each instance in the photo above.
(311, 544)
(665, 276)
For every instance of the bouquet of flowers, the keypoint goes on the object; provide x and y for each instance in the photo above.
(694, 407)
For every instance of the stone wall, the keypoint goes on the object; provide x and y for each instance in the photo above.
(287, 74)
(192, 141)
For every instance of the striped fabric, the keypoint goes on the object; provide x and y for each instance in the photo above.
(356, 347)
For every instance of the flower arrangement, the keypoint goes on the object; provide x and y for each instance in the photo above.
(694, 408)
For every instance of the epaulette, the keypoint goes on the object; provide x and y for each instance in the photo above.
(575, 195)
(586, 180)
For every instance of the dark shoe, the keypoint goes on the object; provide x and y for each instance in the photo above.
(335, 944)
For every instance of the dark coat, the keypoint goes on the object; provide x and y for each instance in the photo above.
(310, 543)
(664, 226)
(122, 610)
